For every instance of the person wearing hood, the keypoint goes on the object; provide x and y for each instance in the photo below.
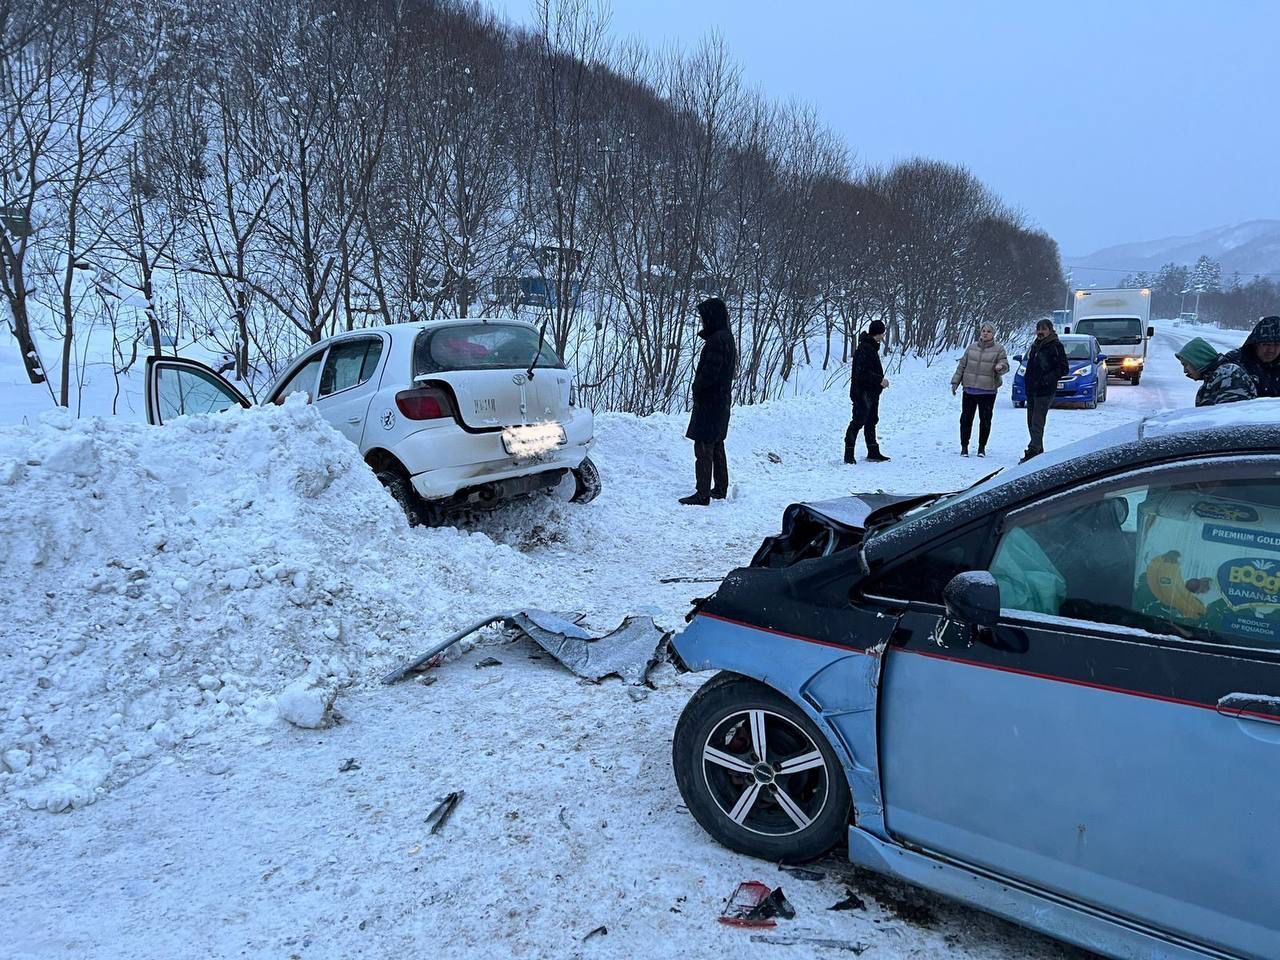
(978, 372)
(712, 399)
(866, 382)
(1259, 355)
(1222, 380)
(1046, 364)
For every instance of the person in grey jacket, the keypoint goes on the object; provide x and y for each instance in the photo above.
(979, 373)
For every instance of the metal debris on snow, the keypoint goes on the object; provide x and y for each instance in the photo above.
(851, 902)
(791, 940)
(629, 652)
(444, 810)
(804, 873)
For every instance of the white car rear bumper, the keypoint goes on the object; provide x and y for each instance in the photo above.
(459, 459)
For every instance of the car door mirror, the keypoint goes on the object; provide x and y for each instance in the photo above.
(973, 598)
(1121, 506)
(1101, 358)
(1151, 332)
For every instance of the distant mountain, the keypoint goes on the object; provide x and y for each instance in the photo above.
(1249, 248)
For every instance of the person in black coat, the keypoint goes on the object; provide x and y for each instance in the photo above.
(866, 383)
(1046, 364)
(712, 398)
(1260, 356)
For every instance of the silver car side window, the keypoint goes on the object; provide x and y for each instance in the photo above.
(1196, 559)
(302, 381)
(345, 365)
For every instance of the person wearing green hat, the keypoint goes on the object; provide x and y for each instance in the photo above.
(1222, 380)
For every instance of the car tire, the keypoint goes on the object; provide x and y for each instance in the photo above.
(402, 492)
(1093, 400)
(788, 817)
(1135, 380)
(587, 484)
(1019, 404)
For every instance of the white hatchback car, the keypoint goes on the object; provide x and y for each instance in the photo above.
(448, 413)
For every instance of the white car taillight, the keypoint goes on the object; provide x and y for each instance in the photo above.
(425, 403)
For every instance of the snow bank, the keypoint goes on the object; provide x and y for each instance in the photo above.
(159, 582)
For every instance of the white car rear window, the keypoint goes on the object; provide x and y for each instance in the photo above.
(481, 346)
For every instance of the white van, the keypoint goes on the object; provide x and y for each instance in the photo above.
(1121, 321)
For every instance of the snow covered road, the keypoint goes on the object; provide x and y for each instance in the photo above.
(246, 838)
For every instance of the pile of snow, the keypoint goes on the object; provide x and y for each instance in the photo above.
(237, 567)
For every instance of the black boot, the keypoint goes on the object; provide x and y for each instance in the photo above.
(848, 455)
(696, 500)
(875, 456)
(964, 451)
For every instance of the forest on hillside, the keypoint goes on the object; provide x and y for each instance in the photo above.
(251, 177)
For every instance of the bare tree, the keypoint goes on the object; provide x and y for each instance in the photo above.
(321, 131)
(35, 47)
(566, 57)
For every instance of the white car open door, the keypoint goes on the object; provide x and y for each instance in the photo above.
(177, 387)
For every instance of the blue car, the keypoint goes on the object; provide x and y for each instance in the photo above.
(1086, 742)
(1086, 382)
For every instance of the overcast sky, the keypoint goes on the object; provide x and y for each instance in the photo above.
(1105, 122)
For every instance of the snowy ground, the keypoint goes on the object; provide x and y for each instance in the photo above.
(201, 824)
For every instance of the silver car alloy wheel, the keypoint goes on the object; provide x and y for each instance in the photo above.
(765, 773)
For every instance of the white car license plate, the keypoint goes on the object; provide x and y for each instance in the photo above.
(536, 441)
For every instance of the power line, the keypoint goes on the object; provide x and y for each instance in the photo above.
(1085, 266)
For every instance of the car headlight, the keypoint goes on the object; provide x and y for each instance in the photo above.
(1132, 361)
(1084, 371)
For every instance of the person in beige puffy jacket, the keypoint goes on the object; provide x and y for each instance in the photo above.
(979, 373)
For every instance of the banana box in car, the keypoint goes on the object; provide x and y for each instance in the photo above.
(1210, 562)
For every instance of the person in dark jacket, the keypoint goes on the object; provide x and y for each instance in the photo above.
(866, 382)
(1046, 364)
(712, 398)
(1259, 355)
(1222, 380)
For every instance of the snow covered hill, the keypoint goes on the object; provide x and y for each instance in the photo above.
(174, 593)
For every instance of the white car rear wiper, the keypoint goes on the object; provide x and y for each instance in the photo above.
(534, 362)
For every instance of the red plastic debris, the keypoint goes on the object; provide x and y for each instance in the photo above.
(743, 908)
